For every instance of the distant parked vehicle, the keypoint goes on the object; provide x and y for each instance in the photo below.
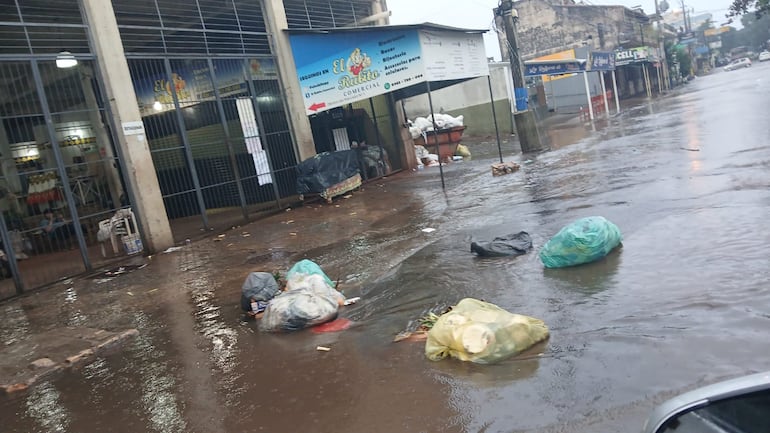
(743, 62)
(764, 56)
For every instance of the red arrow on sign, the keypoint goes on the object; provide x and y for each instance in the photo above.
(316, 106)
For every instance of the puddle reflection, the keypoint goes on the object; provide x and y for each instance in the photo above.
(44, 407)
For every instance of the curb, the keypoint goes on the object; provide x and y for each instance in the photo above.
(45, 367)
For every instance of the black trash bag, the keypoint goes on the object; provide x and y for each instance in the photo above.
(326, 169)
(259, 286)
(510, 245)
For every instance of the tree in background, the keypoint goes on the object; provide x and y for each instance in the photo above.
(685, 61)
(678, 55)
(754, 34)
(742, 7)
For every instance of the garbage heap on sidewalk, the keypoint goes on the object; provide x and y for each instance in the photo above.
(448, 130)
(308, 299)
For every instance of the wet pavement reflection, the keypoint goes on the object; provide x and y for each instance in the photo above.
(681, 304)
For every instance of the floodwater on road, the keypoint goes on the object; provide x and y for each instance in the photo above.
(683, 303)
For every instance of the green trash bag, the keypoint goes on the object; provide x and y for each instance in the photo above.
(583, 241)
(483, 333)
(305, 268)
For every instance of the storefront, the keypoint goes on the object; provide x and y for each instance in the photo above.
(347, 76)
(60, 171)
(174, 113)
(213, 108)
(639, 71)
(169, 118)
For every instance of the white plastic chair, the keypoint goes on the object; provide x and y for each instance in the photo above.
(122, 224)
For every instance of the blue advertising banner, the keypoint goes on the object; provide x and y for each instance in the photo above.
(338, 68)
(553, 67)
(335, 69)
(602, 61)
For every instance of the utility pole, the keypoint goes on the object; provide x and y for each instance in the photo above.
(685, 17)
(661, 46)
(526, 127)
(600, 31)
(688, 30)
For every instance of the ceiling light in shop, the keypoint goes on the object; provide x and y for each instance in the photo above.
(157, 106)
(25, 150)
(65, 59)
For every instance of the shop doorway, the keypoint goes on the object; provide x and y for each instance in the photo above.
(59, 173)
(354, 127)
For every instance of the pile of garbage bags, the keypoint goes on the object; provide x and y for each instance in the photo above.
(583, 241)
(473, 330)
(309, 298)
(421, 125)
(483, 333)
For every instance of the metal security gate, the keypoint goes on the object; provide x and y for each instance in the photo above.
(214, 111)
(59, 173)
(218, 135)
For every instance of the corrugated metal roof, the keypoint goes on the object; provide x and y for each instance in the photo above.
(214, 27)
(423, 26)
(311, 14)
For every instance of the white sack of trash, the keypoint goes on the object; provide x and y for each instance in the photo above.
(421, 125)
(310, 299)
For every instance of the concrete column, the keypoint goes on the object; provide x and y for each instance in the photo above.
(275, 20)
(140, 170)
(378, 7)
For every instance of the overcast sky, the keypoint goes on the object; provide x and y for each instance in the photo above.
(477, 14)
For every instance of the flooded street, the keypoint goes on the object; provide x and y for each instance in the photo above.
(683, 303)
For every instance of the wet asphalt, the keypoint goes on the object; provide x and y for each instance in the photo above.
(683, 303)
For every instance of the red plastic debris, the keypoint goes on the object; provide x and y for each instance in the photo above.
(333, 326)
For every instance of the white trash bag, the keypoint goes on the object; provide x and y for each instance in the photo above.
(309, 301)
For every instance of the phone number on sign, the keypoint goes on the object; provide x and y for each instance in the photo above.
(406, 80)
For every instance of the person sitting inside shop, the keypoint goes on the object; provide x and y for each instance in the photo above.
(55, 228)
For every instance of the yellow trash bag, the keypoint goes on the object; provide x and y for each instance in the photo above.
(483, 333)
(462, 150)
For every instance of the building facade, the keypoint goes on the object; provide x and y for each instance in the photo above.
(549, 26)
(546, 28)
(178, 116)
